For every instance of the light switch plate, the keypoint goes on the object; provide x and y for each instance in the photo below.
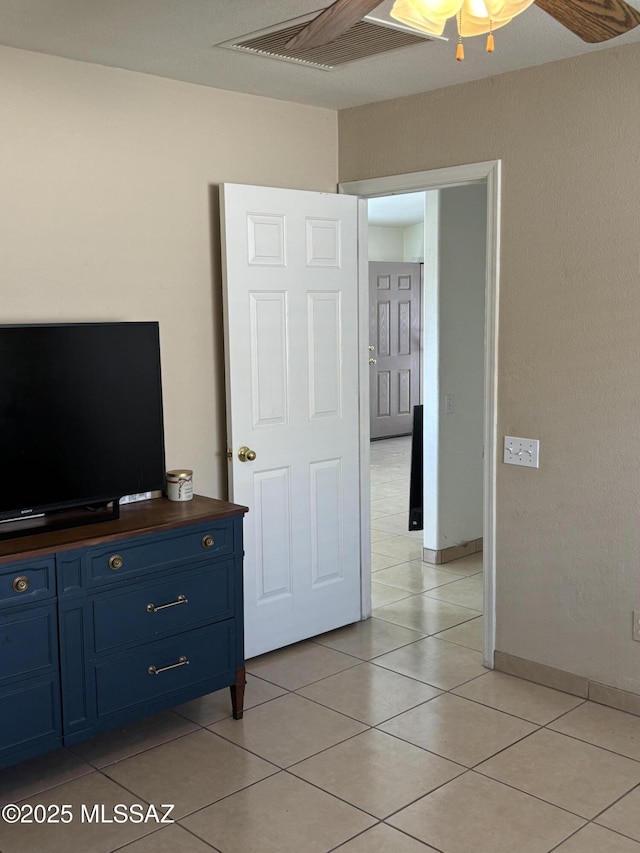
(521, 451)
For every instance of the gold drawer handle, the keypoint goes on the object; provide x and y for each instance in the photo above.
(182, 661)
(20, 584)
(181, 599)
(116, 562)
(208, 541)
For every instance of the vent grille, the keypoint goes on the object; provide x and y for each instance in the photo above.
(361, 41)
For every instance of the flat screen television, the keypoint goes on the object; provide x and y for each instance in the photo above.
(81, 421)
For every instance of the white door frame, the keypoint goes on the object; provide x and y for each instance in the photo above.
(488, 171)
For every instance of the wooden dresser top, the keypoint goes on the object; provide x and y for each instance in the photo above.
(150, 516)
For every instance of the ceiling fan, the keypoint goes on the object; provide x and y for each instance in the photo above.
(593, 21)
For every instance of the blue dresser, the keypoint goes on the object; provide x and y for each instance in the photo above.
(111, 622)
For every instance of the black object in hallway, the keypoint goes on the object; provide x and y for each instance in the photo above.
(415, 483)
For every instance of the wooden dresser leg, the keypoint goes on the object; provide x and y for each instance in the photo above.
(237, 694)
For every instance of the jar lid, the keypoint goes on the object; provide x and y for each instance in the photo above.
(181, 474)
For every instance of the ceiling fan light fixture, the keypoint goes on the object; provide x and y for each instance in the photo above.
(426, 17)
(474, 17)
(478, 21)
(594, 21)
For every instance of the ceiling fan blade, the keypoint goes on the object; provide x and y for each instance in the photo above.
(332, 23)
(593, 20)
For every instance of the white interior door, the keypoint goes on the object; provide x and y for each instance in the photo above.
(291, 346)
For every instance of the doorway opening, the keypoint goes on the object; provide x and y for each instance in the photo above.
(485, 176)
(396, 257)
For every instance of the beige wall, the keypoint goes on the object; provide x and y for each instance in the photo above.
(385, 243)
(568, 135)
(414, 243)
(108, 210)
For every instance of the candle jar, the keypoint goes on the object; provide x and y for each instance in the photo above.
(180, 484)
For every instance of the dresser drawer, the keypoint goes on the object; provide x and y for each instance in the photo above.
(122, 559)
(28, 642)
(165, 667)
(27, 581)
(166, 606)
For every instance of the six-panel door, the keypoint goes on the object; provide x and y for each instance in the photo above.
(291, 318)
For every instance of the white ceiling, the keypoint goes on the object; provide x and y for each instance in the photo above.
(397, 211)
(178, 38)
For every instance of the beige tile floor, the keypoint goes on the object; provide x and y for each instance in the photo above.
(386, 736)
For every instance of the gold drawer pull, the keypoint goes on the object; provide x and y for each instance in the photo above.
(181, 599)
(182, 661)
(116, 562)
(21, 583)
(207, 541)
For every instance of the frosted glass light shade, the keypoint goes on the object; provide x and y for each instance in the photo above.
(418, 16)
(476, 16)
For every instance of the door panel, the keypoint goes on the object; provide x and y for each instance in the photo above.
(327, 535)
(395, 315)
(291, 319)
(272, 544)
(269, 362)
(324, 324)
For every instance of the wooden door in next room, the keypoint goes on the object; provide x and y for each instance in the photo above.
(395, 346)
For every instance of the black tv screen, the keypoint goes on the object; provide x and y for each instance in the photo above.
(80, 415)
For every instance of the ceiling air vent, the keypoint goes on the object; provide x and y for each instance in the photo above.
(364, 39)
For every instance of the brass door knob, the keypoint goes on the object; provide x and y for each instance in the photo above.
(372, 361)
(246, 455)
(207, 541)
(116, 562)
